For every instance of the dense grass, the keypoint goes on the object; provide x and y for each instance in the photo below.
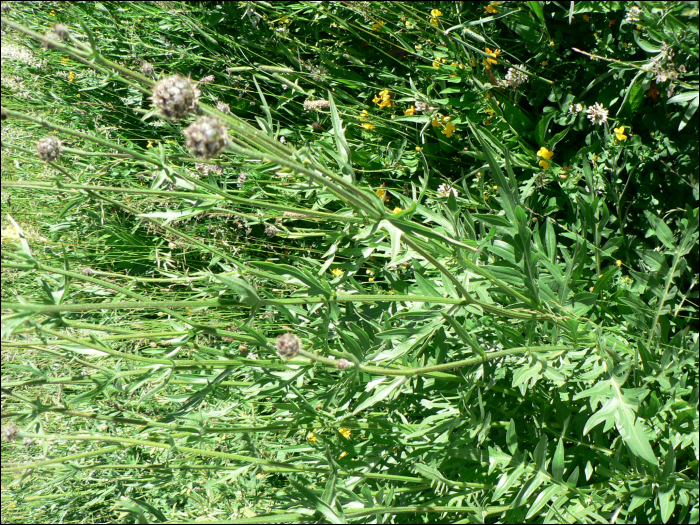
(479, 220)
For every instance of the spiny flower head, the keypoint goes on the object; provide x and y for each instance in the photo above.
(49, 148)
(206, 137)
(316, 105)
(175, 97)
(270, 230)
(147, 69)
(344, 364)
(288, 345)
(445, 190)
(597, 114)
(515, 78)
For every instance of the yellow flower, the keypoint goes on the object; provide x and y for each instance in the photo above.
(382, 195)
(436, 64)
(378, 25)
(435, 13)
(434, 22)
(384, 93)
(345, 432)
(493, 54)
(71, 76)
(545, 63)
(445, 118)
(620, 133)
(65, 60)
(495, 188)
(418, 148)
(418, 47)
(397, 210)
(286, 21)
(311, 437)
(435, 123)
(342, 455)
(454, 64)
(52, 13)
(545, 153)
(371, 279)
(544, 164)
(410, 111)
(409, 24)
(150, 144)
(587, 18)
(368, 126)
(364, 114)
(490, 9)
(337, 272)
(618, 263)
(449, 128)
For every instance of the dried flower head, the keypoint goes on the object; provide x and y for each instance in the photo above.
(49, 148)
(61, 31)
(147, 69)
(597, 114)
(424, 107)
(50, 37)
(206, 137)
(87, 271)
(270, 230)
(316, 105)
(344, 364)
(515, 78)
(10, 432)
(175, 97)
(223, 107)
(208, 79)
(288, 345)
(446, 189)
(241, 179)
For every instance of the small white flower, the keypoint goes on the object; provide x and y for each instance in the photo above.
(445, 190)
(515, 78)
(575, 109)
(633, 14)
(597, 114)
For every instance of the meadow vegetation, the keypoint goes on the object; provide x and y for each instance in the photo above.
(350, 262)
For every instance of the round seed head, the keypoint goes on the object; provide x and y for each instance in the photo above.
(87, 271)
(147, 69)
(223, 107)
(175, 97)
(61, 31)
(270, 230)
(10, 432)
(344, 364)
(51, 37)
(288, 345)
(206, 137)
(49, 148)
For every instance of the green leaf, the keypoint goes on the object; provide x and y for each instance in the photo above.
(511, 437)
(380, 394)
(662, 231)
(297, 276)
(542, 127)
(242, 288)
(542, 499)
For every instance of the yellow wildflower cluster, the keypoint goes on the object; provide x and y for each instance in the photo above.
(493, 60)
(383, 195)
(620, 133)
(383, 100)
(337, 272)
(448, 127)
(71, 76)
(546, 155)
(410, 111)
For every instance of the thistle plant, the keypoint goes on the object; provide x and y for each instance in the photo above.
(387, 291)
